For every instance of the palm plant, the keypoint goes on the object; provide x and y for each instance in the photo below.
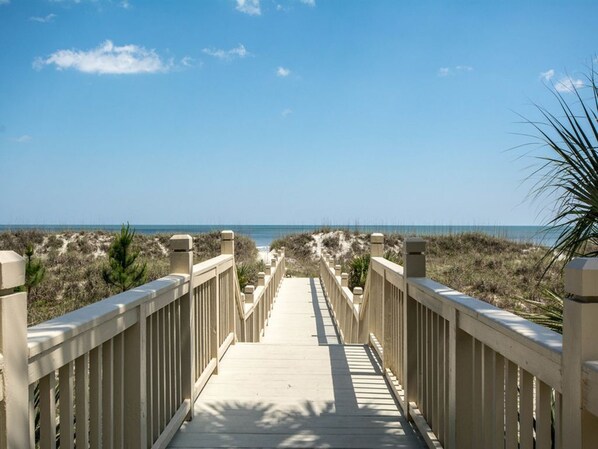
(358, 271)
(568, 173)
(550, 311)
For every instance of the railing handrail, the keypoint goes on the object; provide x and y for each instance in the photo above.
(51, 333)
(535, 337)
(127, 368)
(259, 291)
(207, 265)
(468, 373)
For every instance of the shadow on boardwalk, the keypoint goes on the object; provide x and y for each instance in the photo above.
(309, 391)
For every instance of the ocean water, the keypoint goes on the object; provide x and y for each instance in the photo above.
(263, 235)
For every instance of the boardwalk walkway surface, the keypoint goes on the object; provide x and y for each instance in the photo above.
(297, 388)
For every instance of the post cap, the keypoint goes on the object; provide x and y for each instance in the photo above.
(358, 291)
(376, 237)
(345, 275)
(181, 242)
(249, 289)
(581, 277)
(261, 275)
(12, 270)
(415, 245)
(337, 267)
(227, 235)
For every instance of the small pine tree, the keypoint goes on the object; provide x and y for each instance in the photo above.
(124, 271)
(34, 269)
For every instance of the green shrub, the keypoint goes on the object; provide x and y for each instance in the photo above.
(123, 270)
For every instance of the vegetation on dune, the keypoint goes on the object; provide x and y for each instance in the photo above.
(73, 263)
(358, 271)
(247, 272)
(493, 269)
(34, 269)
(123, 270)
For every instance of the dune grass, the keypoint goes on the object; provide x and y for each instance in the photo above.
(74, 262)
(492, 269)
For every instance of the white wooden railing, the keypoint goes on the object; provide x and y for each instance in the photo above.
(468, 374)
(123, 372)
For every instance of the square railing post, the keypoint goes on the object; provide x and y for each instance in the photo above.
(580, 334)
(227, 246)
(377, 245)
(414, 261)
(14, 385)
(227, 242)
(181, 262)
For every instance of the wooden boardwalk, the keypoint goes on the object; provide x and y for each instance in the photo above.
(297, 388)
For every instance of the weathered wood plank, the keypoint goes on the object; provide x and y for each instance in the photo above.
(298, 388)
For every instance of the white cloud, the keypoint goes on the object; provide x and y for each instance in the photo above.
(568, 84)
(283, 72)
(107, 59)
(311, 3)
(23, 139)
(446, 71)
(548, 75)
(238, 52)
(125, 4)
(286, 112)
(187, 61)
(4, 2)
(43, 19)
(251, 7)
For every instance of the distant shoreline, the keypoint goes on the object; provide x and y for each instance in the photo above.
(263, 235)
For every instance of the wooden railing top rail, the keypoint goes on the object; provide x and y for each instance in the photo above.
(223, 261)
(46, 335)
(259, 290)
(380, 263)
(456, 361)
(110, 361)
(238, 297)
(527, 344)
(345, 291)
(535, 337)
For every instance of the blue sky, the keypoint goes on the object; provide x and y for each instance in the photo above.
(277, 111)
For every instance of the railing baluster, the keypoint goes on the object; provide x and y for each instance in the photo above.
(155, 376)
(95, 398)
(487, 403)
(118, 360)
(464, 389)
(499, 402)
(526, 410)
(543, 415)
(47, 405)
(511, 417)
(107, 395)
(477, 396)
(82, 400)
